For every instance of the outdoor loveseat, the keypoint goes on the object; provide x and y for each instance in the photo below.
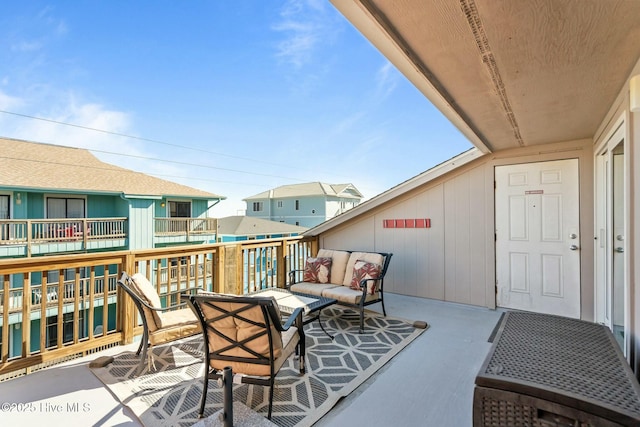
(353, 279)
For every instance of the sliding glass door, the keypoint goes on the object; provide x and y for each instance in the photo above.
(611, 277)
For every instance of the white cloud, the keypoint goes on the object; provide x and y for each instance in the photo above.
(26, 46)
(386, 81)
(304, 25)
(348, 123)
(41, 30)
(46, 16)
(8, 102)
(72, 123)
(296, 49)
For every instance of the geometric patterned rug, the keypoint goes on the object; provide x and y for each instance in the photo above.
(170, 395)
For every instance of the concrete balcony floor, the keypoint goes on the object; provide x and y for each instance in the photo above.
(430, 383)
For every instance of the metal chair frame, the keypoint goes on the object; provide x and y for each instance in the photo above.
(271, 319)
(141, 305)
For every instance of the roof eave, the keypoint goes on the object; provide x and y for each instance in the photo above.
(362, 19)
(424, 178)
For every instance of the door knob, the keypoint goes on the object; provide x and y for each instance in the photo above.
(620, 249)
(573, 247)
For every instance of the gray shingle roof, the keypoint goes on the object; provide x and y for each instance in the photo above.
(34, 165)
(309, 189)
(249, 226)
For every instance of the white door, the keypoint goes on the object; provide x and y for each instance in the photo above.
(537, 237)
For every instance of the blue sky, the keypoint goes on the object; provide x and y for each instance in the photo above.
(232, 97)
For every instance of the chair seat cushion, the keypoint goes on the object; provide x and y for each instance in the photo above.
(148, 294)
(311, 288)
(338, 263)
(373, 258)
(290, 339)
(178, 317)
(246, 327)
(174, 332)
(347, 295)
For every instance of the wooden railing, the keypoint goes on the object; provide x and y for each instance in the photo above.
(84, 311)
(188, 226)
(38, 231)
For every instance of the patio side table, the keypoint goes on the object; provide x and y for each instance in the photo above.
(545, 370)
(288, 301)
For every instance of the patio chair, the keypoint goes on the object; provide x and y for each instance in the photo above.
(247, 334)
(160, 325)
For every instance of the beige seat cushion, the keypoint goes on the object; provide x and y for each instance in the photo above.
(172, 333)
(178, 317)
(356, 256)
(148, 294)
(338, 263)
(347, 295)
(311, 288)
(290, 339)
(240, 330)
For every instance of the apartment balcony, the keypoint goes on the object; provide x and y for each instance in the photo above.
(429, 383)
(32, 237)
(172, 231)
(58, 313)
(46, 361)
(54, 306)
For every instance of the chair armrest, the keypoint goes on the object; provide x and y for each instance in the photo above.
(292, 276)
(295, 317)
(363, 284)
(171, 307)
(184, 296)
(123, 283)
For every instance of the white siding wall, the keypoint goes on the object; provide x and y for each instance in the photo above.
(454, 260)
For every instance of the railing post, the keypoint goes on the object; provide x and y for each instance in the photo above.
(128, 311)
(239, 263)
(85, 232)
(29, 238)
(26, 316)
(281, 256)
(218, 269)
(233, 264)
(5, 285)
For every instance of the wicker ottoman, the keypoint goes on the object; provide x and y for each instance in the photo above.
(548, 370)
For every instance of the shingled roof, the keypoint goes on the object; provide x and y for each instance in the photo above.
(310, 189)
(32, 165)
(249, 226)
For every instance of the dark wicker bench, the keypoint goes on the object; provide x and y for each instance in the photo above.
(545, 370)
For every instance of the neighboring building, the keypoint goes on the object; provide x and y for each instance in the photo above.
(56, 199)
(306, 205)
(541, 215)
(238, 228)
(260, 262)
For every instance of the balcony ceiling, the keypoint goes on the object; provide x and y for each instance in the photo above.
(509, 73)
